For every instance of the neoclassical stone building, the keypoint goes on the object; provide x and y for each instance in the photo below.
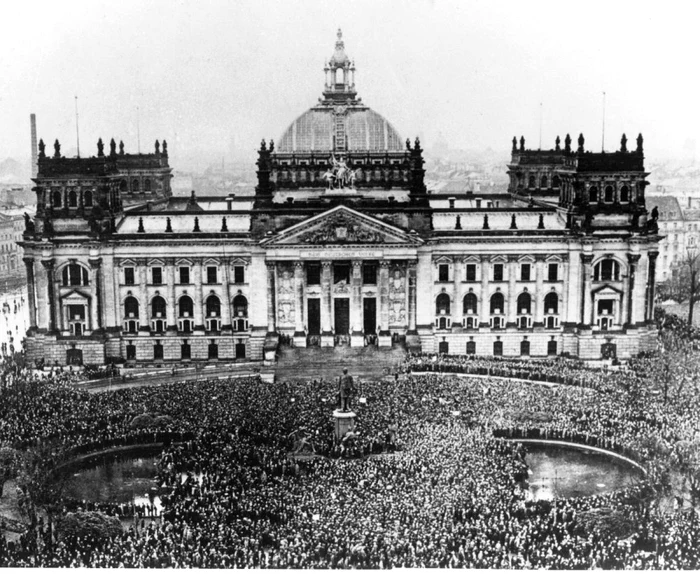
(342, 244)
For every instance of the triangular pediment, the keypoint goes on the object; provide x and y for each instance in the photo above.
(342, 226)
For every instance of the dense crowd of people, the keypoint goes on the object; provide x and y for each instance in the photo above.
(426, 479)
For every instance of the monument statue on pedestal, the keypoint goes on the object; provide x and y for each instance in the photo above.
(346, 389)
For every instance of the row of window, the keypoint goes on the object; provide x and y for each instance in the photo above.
(185, 350)
(608, 194)
(72, 199)
(183, 275)
(497, 349)
(544, 182)
(497, 304)
(135, 185)
(444, 322)
(526, 272)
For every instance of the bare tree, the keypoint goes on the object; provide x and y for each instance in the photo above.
(690, 266)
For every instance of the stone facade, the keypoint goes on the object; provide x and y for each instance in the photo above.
(340, 246)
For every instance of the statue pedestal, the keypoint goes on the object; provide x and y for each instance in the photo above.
(300, 339)
(327, 340)
(344, 422)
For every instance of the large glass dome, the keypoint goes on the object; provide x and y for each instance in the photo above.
(340, 122)
(364, 129)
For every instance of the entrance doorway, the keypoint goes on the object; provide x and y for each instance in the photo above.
(74, 356)
(314, 316)
(341, 308)
(240, 350)
(369, 314)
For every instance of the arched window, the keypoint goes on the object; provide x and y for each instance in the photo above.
(157, 307)
(531, 182)
(131, 307)
(556, 182)
(134, 185)
(57, 199)
(185, 307)
(609, 194)
(543, 182)
(339, 76)
(74, 274)
(607, 270)
(72, 198)
(123, 185)
(87, 198)
(147, 184)
(213, 306)
(524, 303)
(469, 304)
(551, 304)
(497, 303)
(593, 195)
(240, 306)
(442, 304)
(624, 194)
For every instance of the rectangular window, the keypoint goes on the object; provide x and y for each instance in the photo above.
(184, 275)
(158, 352)
(444, 272)
(553, 272)
(313, 274)
(471, 272)
(157, 275)
(211, 275)
(341, 273)
(185, 351)
(239, 274)
(129, 278)
(213, 350)
(525, 272)
(369, 274)
(498, 272)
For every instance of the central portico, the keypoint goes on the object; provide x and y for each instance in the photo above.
(341, 278)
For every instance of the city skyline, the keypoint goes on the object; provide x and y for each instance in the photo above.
(477, 73)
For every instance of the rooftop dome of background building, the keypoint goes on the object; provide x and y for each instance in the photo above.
(340, 121)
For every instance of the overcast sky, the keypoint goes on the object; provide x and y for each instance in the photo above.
(206, 73)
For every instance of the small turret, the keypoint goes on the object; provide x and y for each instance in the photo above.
(623, 144)
(640, 144)
(100, 148)
(56, 150)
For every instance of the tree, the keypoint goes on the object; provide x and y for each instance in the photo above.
(689, 272)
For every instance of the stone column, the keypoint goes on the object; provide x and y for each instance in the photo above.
(271, 304)
(29, 263)
(512, 295)
(42, 303)
(198, 299)
(96, 303)
(144, 326)
(327, 339)
(411, 280)
(484, 302)
(170, 297)
(226, 296)
(48, 266)
(356, 323)
(458, 277)
(587, 301)
(651, 287)
(384, 333)
(299, 314)
(539, 293)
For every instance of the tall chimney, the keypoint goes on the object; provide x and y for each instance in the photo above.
(35, 162)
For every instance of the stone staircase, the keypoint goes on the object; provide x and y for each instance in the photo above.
(328, 362)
